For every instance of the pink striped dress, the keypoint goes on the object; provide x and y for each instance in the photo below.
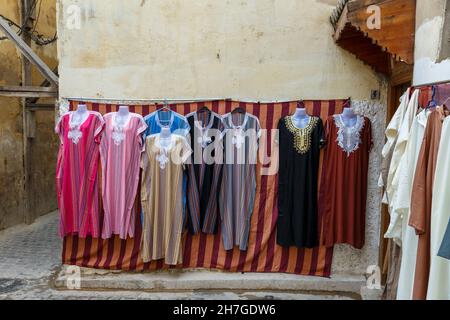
(120, 149)
(77, 175)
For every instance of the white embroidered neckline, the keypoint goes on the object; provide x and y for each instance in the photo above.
(164, 150)
(349, 138)
(238, 138)
(118, 134)
(75, 133)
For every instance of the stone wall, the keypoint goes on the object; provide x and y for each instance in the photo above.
(43, 146)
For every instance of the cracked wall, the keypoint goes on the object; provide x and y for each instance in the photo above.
(44, 144)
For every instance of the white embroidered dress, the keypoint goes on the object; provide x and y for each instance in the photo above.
(395, 225)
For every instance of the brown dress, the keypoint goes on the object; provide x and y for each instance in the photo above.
(343, 192)
(420, 216)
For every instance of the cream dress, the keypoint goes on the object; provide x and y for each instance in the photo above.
(402, 206)
(395, 226)
(439, 281)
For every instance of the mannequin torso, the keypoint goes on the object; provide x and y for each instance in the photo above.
(122, 116)
(300, 118)
(80, 115)
(165, 137)
(349, 117)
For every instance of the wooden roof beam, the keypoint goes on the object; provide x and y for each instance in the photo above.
(28, 53)
(28, 91)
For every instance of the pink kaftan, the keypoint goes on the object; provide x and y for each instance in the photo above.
(120, 149)
(77, 175)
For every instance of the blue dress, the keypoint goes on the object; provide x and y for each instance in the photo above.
(164, 118)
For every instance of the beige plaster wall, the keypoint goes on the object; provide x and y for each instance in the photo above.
(430, 18)
(261, 50)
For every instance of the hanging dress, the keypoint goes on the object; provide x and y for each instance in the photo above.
(297, 182)
(166, 118)
(77, 176)
(238, 188)
(409, 239)
(343, 192)
(120, 150)
(439, 275)
(161, 198)
(391, 132)
(395, 224)
(204, 171)
(421, 199)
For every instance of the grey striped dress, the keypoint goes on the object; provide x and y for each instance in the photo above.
(238, 186)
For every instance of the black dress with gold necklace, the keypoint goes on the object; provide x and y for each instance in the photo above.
(297, 182)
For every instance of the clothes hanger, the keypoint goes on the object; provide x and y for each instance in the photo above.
(166, 106)
(301, 104)
(204, 108)
(238, 110)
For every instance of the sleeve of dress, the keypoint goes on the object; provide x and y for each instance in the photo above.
(186, 128)
(417, 218)
(59, 128)
(99, 126)
(145, 183)
(321, 133)
(140, 133)
(258, 129)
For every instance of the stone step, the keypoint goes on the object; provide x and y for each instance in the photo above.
(192, 280)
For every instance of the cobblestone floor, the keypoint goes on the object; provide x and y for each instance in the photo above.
(30, 257)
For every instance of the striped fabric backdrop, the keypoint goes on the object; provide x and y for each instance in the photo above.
(206, 251)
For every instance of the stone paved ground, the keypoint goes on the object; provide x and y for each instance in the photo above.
(30, 258)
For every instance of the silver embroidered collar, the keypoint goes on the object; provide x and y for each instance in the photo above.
(118, 134)
(349, 138)
(75, 124)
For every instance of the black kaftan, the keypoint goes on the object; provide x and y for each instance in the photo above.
(299, 157)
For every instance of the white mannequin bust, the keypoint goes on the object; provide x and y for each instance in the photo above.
(300, 118)
(122, 115)
(80, 115)
(165, 137)
(349, 117)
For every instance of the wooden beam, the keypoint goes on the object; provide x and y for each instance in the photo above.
(41, 106)
(28, 52)
(44, 83)
(28, 91)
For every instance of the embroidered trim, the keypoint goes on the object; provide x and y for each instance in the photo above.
(162, 159)
(75, 134)
(302, 136)
(349, 138)
(118, 134)
(238, 138)
(204, 140)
